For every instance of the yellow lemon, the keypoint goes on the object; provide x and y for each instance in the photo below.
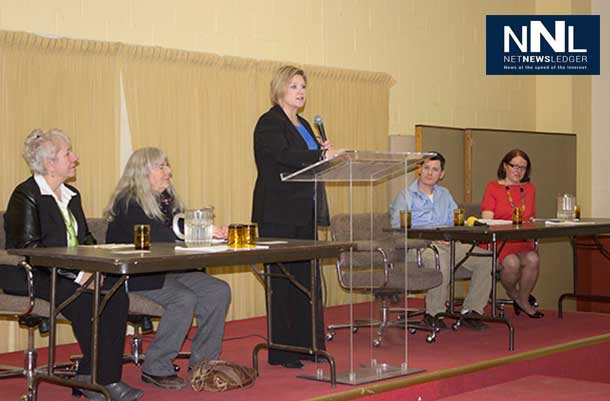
(470, 221)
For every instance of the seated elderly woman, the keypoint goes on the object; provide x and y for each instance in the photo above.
(145, 195)
(43, 211)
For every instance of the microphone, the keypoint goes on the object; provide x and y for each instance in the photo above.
(320, 124)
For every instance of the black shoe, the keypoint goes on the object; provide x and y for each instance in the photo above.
(429, 321)
(470, 321)
(535, 315)
(289, 364)
(533, 301)
(171, 382)
(119, 391)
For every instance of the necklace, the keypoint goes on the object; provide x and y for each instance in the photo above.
(510, 197)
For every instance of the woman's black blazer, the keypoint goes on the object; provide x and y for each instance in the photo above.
(34, 220)
(279, 148)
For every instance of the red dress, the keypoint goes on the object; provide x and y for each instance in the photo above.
(497, 200)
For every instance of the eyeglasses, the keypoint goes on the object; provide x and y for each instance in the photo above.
(517, 167)
(161, 166)
(431, 169)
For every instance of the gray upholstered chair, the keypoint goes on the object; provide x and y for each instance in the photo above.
(31, 313)
(141, 310)
(378, 267)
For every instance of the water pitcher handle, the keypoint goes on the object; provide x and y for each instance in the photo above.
(175, 226)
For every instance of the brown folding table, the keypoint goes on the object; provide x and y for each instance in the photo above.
(163, 257)
(497, 234)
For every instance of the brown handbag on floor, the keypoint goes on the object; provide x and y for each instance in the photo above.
(219, 376)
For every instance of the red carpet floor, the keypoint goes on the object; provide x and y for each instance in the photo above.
(458, 361)
(539, 388)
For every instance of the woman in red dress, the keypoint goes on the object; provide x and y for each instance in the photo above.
(520, 260)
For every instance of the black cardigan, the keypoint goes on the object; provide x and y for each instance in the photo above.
(279, 148)
(120, 230)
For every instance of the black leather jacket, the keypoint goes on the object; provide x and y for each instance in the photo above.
(34, 220)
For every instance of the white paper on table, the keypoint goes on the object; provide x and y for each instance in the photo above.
(207, 249)
(566, 223)
(272, 242)
(215, 248)
(110, 246)
(495, 222)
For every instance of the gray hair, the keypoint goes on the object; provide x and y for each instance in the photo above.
(135, 185)
(43, 145)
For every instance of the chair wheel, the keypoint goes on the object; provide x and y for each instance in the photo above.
(376, 342)
(431, 338)
(330, 335)
(354, 329)
(412, 331)
(176, 368)
(27, 397)
(455, 326)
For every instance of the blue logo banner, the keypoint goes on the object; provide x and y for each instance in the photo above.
(542, 44)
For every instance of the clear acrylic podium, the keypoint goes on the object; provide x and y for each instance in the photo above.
(373, 352)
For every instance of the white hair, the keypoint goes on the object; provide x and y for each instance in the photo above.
(40, 146)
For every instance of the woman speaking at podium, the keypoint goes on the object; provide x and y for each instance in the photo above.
(284, 143)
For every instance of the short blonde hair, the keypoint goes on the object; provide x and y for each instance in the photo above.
(280, 79)
(42, 145)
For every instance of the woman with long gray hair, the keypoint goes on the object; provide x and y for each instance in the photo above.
(145, 195)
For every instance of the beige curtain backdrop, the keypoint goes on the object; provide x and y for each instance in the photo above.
(199, 108)
(58, 83)
(202, 109)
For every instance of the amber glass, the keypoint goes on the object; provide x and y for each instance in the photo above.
(250, 235)
(405, 219)
(141, 236)
(458, 217)
(517, 215)
(236, 236)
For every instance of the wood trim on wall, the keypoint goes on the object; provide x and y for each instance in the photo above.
(419, 134)
(468, 166)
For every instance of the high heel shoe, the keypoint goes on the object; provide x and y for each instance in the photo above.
(533, 301)
(535, 315)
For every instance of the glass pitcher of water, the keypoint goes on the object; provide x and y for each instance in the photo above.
(566, 207)
(198, 226)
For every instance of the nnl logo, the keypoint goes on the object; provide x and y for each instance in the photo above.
(542, 44)
(537, 31)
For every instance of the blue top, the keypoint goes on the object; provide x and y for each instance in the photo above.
(424, 212)
(312, 144)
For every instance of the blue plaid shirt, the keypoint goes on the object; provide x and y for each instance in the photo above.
(424, 212)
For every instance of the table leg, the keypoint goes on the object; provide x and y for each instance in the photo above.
(452, 277)
(266, 277)
(95, 327)
(314, 331)
(313, 299)
(52, 321)
(451, 313)
(494, 270)
(575, 294)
